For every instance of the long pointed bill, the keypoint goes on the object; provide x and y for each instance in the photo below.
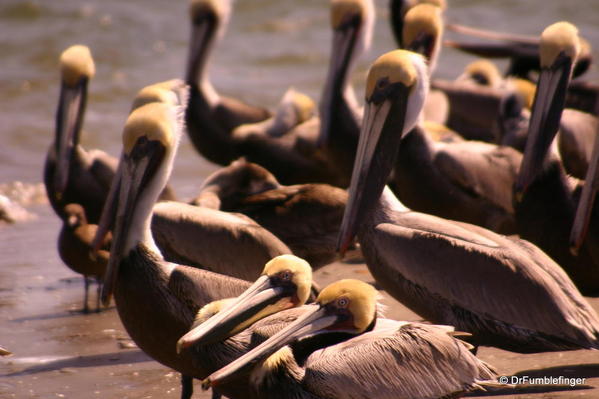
(377, 150)
(585, 204)
(201, 34)
(136, 170)
(69, 118)
(544, 121)
(342, 54)
(314, 322)
(491, 35)
(258, 301)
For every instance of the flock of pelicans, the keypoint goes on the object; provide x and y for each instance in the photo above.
(449, 250)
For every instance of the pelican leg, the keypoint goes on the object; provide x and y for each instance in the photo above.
(86, 294)
(98, 293)
(186, 386)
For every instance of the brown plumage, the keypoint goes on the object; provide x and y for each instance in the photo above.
(505, 291)
(306, 217)
(75, 249)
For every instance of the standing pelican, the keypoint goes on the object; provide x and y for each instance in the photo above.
(504, 291)
(304, 216)
(156, 300)
(340, 349)
(352, 22)
(546, 197)
(72, 174)
(75, 249)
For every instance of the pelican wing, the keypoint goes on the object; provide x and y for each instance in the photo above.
(575, 140)
(188, 234)
(482, 170)
(467, 267)
(412, 360)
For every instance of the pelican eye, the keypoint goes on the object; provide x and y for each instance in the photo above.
(285, 275)
(382, 83)
(342, 303)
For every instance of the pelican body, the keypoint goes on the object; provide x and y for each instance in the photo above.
(504, 291)
(306, 217)
(542, 184)
(340, 349)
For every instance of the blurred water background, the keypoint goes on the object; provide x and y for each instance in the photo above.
(269, 46)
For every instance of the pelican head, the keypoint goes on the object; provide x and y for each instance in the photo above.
(172, 92)
(150, 140)
(423, 30)
(352, 22)
(235, 182)
(396, 87)
(209, 19)
(347, 306)
(399, 8)
(284, 283)
(482, 72)
(559, 49)
(76, 69)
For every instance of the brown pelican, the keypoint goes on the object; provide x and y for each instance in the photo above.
(4, 352)
(156, 300)
(352, 22)
(505, 291)
(340, 349)
(75, 249)
(542, 187)
(464, 180)
(422, 33)
(72, 174)
(305, 216)
(399, 8)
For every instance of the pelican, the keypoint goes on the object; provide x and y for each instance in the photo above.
(504, 291)
(422, 33)
(156, 300)
(463, 180)
(72, 174)
(75, 250)
(340, 349)
(306, 217)
(352, 22)
(542, 187)
(398, 10)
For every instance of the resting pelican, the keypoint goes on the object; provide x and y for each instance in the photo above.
(72, 174)
(340, 349)
(75, 249)
(156, 300)
(547, 199)
(504, 291)
(306, 217)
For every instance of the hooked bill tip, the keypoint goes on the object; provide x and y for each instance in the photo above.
(574, 248)
(206, 384)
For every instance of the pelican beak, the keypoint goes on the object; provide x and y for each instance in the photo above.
(135, 171)
(342, 53)
(69, 117)
(259, 300)
(377, 150)
(202, 31)
(585, 204)
(316, 321)
(545, 120)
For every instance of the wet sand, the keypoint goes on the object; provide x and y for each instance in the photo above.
(62, 353)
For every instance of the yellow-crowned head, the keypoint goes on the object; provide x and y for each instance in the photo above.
(76, 64)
